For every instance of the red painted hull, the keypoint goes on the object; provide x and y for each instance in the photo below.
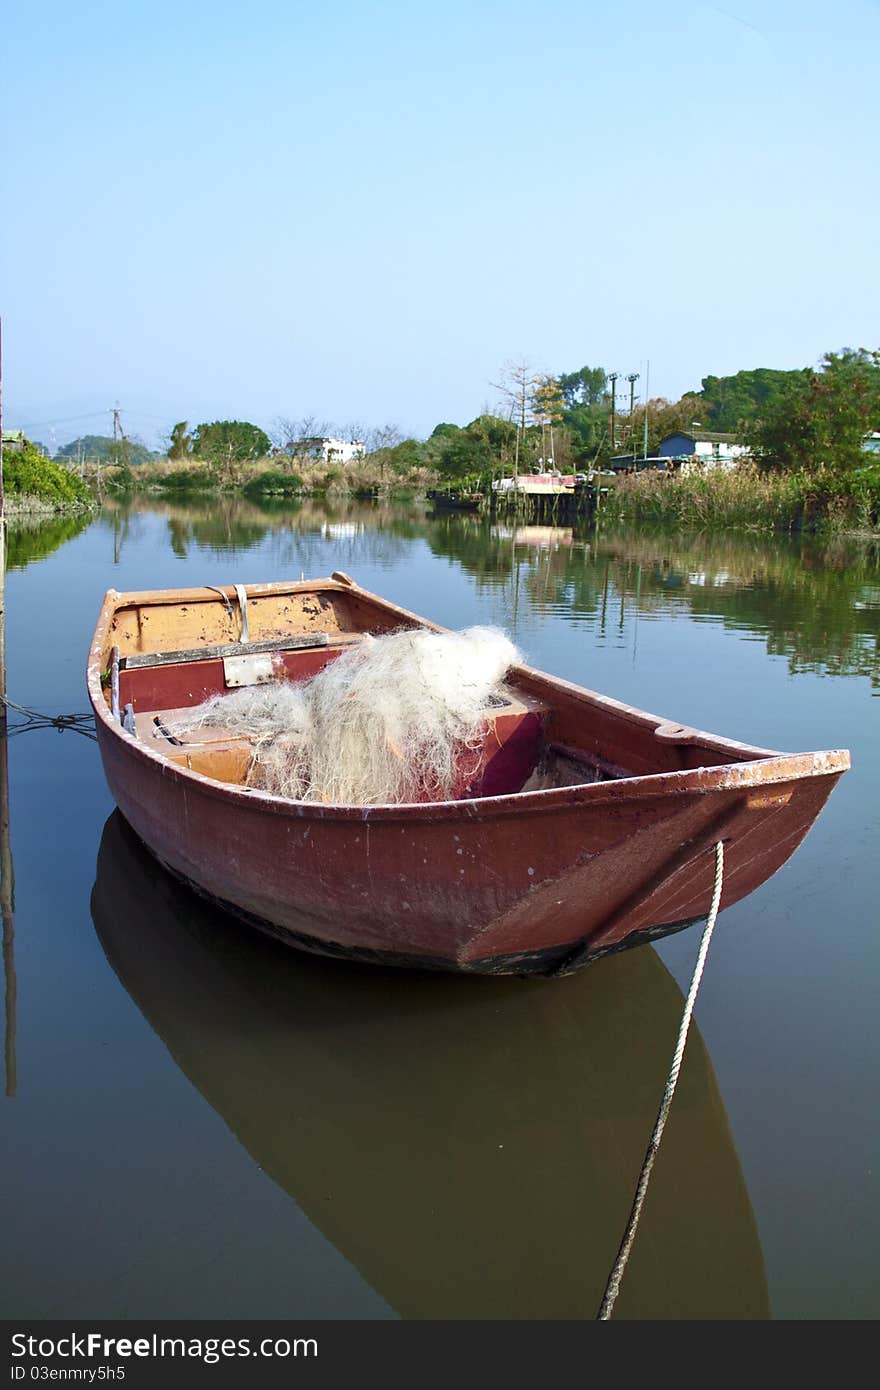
(535, 881)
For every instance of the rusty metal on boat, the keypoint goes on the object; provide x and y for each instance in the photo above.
(589, 829)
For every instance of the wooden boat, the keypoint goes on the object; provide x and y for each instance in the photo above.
(590, 826)
(452, 500)
(470, 1146)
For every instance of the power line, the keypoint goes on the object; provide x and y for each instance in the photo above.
(63, 420)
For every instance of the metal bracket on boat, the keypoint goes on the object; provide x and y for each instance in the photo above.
(342, 578)
(256, 668)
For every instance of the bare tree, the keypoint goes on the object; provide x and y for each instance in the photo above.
(383, 437)
(355, 431)
(281, 432)
(295, 439)
(517, 387)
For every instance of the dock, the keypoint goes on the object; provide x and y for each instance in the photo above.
(552, 497)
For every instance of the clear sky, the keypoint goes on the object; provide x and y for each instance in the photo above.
(359, 210)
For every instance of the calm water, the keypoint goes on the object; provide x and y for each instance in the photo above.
(208, 1125)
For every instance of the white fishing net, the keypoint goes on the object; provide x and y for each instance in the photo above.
(400, 718)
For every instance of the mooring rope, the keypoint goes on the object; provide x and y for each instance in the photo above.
(77, 723)
(612, 1288)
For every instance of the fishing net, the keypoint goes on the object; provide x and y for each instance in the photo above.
(400, 718)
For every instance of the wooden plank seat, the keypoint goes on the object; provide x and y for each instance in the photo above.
(225, 650)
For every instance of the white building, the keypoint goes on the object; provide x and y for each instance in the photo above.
(324, 450)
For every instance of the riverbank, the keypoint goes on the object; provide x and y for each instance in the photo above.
(819, 501)
(35, 486)
(264, 478)
(29, 507)
(746, 499)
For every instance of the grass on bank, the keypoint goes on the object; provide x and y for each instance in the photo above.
(264, 478)
(747, 499)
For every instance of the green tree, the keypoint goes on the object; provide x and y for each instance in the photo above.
(820, 418)
(497, 433)
(586, 387)
(466, 455)
(728, 402)
(180, 442)
(585, 410)
(229, 441)
(486, 445)
(406, 456)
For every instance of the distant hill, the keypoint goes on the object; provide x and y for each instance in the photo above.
(100, 448)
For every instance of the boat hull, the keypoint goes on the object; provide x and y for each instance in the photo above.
(536, 881)
(482, 886)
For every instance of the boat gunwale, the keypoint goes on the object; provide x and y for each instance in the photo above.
(765, 767)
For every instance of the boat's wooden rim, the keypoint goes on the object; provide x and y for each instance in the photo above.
(751, 768)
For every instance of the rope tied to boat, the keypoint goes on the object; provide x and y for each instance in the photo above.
(241, 595)
(77, 723)
(612, 1288)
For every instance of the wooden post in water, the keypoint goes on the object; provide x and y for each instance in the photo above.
(7, 875)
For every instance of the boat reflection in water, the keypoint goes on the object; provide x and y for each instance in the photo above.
(471, 1146)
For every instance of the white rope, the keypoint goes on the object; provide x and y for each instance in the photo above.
(241, 594)
(612, 1288)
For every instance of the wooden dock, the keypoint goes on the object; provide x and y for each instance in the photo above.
(553, 499)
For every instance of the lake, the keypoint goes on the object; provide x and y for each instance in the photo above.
(207, 1125)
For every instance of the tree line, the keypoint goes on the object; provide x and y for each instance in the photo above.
(791, 420)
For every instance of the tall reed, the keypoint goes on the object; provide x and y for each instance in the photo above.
(745, 498)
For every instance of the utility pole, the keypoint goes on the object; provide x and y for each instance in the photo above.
(120, 444)
(612, 377)
(647, 398)
(632, 379)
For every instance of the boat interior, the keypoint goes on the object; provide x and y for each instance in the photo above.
(166, 652)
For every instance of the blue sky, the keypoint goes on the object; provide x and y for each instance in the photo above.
(360, 210)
